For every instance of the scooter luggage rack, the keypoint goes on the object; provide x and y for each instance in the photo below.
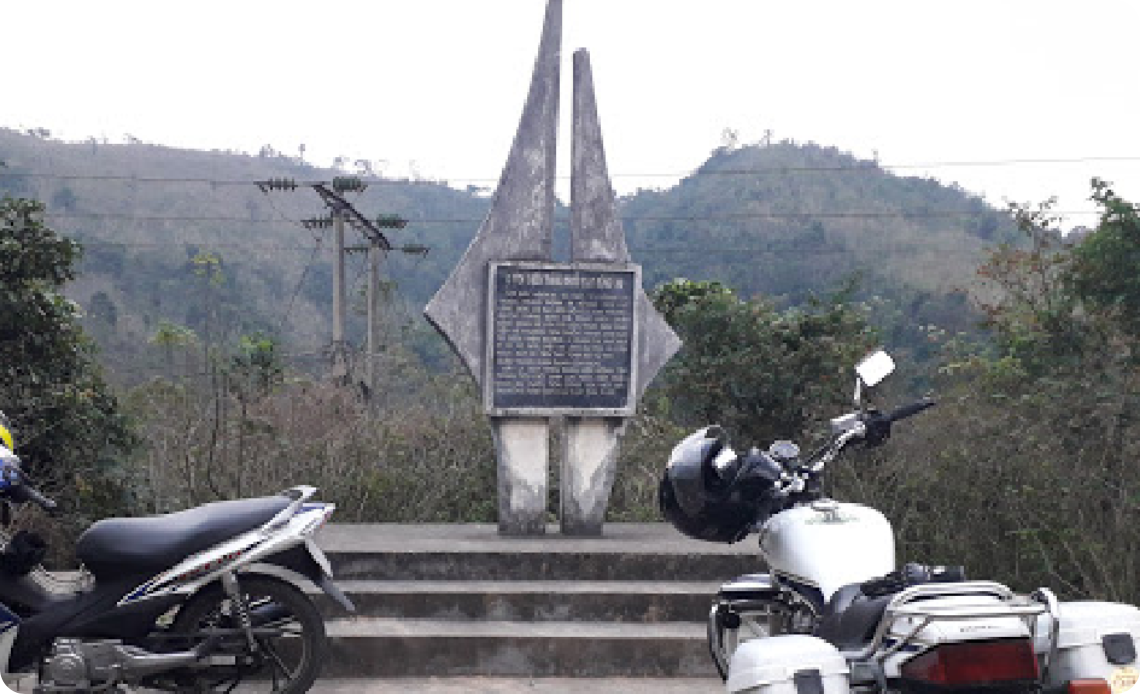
(907, 605)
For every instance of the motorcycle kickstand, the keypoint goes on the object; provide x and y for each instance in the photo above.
(233, 590)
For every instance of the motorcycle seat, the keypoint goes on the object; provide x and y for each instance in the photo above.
(129, 546)
(849, 619)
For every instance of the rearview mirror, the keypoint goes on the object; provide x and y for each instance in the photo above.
(873, 368)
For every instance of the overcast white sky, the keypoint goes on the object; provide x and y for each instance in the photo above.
(441, 83)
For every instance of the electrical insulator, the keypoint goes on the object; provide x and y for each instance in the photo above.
(317, 223)
(391, 221)
(414, 249)
(277, 184)
(348, 184)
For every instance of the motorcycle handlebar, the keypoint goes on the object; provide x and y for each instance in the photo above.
(22, 491)
(39, 499)
(911, 410)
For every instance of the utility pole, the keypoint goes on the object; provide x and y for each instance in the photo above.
(373, 346)
(342, 212)
(339, 347)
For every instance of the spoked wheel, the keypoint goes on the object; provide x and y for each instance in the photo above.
(288, 630)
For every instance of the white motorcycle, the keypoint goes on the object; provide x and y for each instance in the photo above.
(834, 614)
(202, 600)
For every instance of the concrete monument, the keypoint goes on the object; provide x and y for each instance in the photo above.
(578, 340)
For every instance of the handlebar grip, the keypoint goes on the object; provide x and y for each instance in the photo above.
(911, 410)
(40, 500)
(25, 492)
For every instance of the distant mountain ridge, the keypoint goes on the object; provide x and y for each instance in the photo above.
(785, 220)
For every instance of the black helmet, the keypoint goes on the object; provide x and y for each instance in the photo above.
(710, 493)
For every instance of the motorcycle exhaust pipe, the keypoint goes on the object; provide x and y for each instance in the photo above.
(140, 663)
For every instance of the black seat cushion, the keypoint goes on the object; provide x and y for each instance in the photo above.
(128, 546)
(850, 617)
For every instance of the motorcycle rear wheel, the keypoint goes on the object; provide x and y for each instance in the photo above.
(290, 635)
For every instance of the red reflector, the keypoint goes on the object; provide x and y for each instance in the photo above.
(975, 663)
(1089, 687)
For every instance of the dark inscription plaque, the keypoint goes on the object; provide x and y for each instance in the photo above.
(562, 339)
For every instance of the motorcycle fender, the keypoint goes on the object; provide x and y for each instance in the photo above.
(9, 628)
(309, 561)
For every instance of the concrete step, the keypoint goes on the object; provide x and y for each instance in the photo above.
(522, 685)
(461, 601)
(25, 684)
(627, 552)
(528, 601)
(377, 647)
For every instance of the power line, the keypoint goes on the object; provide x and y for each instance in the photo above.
(636, 251)
(864, 167)
(899, 214)
(147, 218)
(184, 244)
(300, 283)
(957, 250)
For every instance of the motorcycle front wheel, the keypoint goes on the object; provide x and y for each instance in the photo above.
(288, 631)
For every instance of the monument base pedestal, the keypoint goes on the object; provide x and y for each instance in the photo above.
(589, 465)
(522, 447)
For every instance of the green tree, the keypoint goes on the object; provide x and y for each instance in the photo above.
(1056, 304)
(1105, 269)
(71, 433)
(257, 367)
(760, 372)
(170, 337)
(1036, 436)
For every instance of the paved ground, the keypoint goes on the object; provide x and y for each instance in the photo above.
(490, 685)
(494, 685)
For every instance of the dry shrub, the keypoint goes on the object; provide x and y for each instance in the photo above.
(429, 461)
(1027, 481)
(645, 449)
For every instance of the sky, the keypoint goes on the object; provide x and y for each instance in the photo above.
(1016, 100)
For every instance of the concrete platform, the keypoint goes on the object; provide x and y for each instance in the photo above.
(419, 648)
(528, 601)
(653, 538)
(461, 601)
(498, 685)
(482, 685)
(627, 552)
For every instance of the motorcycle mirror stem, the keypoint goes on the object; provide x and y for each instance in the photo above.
(870, 371)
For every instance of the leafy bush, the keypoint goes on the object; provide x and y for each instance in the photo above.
(761, 373)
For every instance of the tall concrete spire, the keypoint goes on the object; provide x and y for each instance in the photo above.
(590, 444)
(595, 227)
(519, 224)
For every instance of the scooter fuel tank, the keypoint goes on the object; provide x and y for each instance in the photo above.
(828, 544)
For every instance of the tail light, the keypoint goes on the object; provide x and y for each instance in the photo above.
(975, 663)
(1089, 687)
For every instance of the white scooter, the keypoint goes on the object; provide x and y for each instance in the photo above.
(204, 600)
(835, 615)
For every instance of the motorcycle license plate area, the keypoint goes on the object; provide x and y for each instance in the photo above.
(1096, 640)
(790, 664)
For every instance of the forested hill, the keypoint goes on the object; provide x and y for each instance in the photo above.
(782, 219)
(791, 220)
(187, 238)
